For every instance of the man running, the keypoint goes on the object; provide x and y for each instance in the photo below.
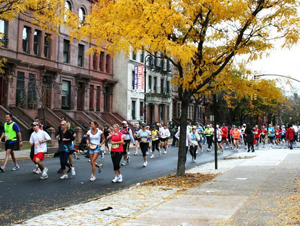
(127, 138)
(10, 133)
(38, 140)
(257, 133)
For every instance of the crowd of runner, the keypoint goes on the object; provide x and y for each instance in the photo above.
(150, 140)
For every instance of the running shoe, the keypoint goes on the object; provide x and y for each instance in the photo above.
(93, 178)
(44, 176)
(65, 176)
(120, 178)
(73, 171)
(16, 167)
(45, 171)
(59, 171)
(135, 154)
(128, 159)
(124, 163)
(152, 157)
(165, 152)
(145, 164)
(38, 171)
(2, 168)
(115, 180)
(100, 168)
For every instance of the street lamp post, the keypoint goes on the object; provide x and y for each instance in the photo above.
(147, 58)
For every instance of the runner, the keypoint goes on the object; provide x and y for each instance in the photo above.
(243, 135)
(257, 133)
(187, 140)
(11, 134)
(165, 134)
(106, 132)
(127, 138)
(144, 136)
(236, 135)
(117, 139)
(264, 133)
(38, 140)
(95, 139)
(278, 136)
(283, 134)
(219, 139)
(224, 135)
(194, 139)
(155, 141)
(208, 133)
(271, 135)
(66, 137)
(249, 136)
(137, 141)
(200, 131)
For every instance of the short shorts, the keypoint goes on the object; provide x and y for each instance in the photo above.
(10, 146)
(40, 156)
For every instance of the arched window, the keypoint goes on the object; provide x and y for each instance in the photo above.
(81, 15)
(67, 7)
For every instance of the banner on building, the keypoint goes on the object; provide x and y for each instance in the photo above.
(139, 79)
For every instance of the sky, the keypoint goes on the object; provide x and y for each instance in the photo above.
(282, 62)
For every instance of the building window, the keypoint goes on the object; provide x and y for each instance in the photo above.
(47, 41)
(80, 55)
(133, 55)
(95, 61)
(141, 109)
(150, 82)
(133, 109)
(101, 62)
(92, 98)
(133, 80)
(67, 8)
(162, 85)
(142, 56)
(25, 39)
(66, 95)
(31, 92)
(81, 15)
(162, 112)
(3, 34)
(107, 67)
(155, 84)
(20, 91)
(66, 51)
(37, 42)
(98, 98)
(168, 87)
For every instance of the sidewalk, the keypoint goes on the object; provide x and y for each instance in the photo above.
(258, 188)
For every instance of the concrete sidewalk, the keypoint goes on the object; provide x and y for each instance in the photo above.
(258, 188)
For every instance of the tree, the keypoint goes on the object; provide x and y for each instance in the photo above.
(200, 37)
(48, 14)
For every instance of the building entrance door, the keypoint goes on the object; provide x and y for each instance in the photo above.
(3, 90)
(80, 96)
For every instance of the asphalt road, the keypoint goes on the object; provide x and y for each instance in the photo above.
(23, 195)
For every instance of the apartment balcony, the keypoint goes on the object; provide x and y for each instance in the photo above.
(158, 98)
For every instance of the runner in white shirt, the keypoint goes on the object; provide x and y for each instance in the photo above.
(165, 134)
(93, 140)
(39, 139)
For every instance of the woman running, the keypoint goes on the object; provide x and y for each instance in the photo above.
(117, 139)
(194, 139)
(93, 140)
(165, 134)
(136, 139)
(236, 135)
(155, 141)
(219, 139)
(66, 137)
(144, 135)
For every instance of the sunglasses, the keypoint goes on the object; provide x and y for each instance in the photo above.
(62, 124)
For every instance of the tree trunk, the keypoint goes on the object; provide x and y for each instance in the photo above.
(182, 140)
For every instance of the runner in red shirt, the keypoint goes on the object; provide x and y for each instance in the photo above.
(257, 133)
(264, 133)
(224, 130)
(278, 135)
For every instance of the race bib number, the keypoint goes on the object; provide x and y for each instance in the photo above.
(38, 145)
(115, 145)
(93, 146)
(144, 139)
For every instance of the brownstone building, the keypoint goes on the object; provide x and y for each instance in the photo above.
(50, 76)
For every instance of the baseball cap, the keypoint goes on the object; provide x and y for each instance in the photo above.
(35, 124)
(124, 122)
